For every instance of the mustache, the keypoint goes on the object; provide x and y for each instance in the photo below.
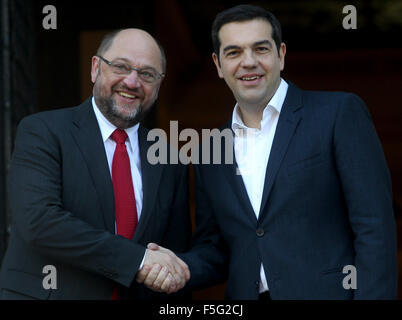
(135, 91)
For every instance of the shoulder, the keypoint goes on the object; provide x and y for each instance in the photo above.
(53, 120)
(333, 98)
(332, 102)
(50, 116)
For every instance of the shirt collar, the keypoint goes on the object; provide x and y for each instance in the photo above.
(275, 103)
(108, 128)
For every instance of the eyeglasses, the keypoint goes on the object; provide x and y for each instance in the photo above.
(145, 74)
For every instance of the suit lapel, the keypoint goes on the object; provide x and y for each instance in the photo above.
(287, 123)
(86, 133)
(151, 175)
(236, 181)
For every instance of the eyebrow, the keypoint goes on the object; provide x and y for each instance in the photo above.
(258, 43)
(129, 62)
(230, 47)
(255, 44)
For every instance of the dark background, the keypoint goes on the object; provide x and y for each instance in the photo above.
(47, 69)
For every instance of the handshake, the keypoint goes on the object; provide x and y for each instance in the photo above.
(163, 271)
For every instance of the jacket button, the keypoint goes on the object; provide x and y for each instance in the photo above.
(260, 232)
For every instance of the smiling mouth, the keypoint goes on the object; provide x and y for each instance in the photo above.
(127, 95)
(250, 78)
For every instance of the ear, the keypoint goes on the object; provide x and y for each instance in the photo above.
(218, 68)
(95, 68)
(282, 53)
(161, 80)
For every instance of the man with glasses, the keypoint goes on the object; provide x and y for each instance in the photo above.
(85, 201)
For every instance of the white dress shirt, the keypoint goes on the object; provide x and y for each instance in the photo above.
(133, 151)
(252, 150)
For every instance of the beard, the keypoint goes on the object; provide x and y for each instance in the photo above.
(109, 108)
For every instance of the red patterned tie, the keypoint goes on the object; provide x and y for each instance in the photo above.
(124, 197)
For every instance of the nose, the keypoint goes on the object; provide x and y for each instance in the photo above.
(132, 80)
(248, 60)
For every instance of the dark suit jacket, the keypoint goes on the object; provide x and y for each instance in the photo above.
(62, 204)
(327, 203)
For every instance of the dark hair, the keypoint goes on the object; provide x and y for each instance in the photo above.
(242, 13)
(108, 41)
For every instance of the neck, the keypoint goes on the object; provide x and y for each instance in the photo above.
(251, 113)
(251, 116)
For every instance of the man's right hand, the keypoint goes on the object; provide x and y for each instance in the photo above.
(163, 271)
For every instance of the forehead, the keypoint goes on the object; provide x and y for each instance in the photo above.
(245, 32)
(138, 48)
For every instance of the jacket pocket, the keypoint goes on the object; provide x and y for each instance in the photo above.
(332, 270)
(19, 282)
(306, 163)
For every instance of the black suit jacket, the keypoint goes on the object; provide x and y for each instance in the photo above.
(326, 204)
(62, 204)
